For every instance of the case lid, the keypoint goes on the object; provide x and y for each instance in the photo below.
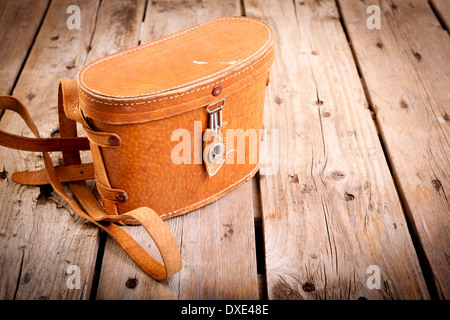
(176, 73)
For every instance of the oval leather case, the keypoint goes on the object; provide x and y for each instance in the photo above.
(155, 97)
(172, 125)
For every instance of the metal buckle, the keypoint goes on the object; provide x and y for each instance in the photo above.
(215, 115)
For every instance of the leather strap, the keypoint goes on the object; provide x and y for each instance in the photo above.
(36, 144)
(71, 173)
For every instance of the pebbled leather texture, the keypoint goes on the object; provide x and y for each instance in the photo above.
(145, 94)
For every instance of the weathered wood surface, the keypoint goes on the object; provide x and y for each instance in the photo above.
(22, 20)
(332, 209)
(217, 242)
(41, 235)
(411, 54)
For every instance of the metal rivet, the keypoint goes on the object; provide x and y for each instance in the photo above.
(217, 90)
(113, 141)
(121, 197)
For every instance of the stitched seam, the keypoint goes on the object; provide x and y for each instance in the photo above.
(165, 39)
(206, 199)
(178, 95)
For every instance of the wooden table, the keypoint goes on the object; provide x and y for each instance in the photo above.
(360, 190)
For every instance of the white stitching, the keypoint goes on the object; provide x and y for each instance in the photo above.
(171, 37)
(178, 95)
(206, 199)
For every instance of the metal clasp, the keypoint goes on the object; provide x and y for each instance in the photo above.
(215, 115)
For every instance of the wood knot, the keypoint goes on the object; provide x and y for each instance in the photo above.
(326, 114)
(349, 197)
(308, 287)
(230, 230)
(293, 178)
(26, 278)
(278, 100)
(436, 184)
(131, 283)
(380, 45)
(3, 174)
(403, 104)
(417, 55)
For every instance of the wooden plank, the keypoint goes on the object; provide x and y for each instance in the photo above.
(410, 54)
(442, 9)
(216, 241)
(19, 22)
(331, 211)
(118, 26)
(41, 235)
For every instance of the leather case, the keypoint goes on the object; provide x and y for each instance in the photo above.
(172, 125)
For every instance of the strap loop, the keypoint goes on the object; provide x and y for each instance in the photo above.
(111, 194)
(103, 139)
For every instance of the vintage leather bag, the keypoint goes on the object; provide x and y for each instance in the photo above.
(165, 123)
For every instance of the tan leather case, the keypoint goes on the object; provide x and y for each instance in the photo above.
(147, 95)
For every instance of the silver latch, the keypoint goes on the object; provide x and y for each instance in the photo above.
(213, 136)
(215, 114)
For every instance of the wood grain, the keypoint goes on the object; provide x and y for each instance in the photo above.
(19, 22)
(217, 241)
(41, 235)
(332, 210)
(410, 52)
(117, 28)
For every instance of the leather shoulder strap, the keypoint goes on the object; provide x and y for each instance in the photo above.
(68, 92)
(92, 212)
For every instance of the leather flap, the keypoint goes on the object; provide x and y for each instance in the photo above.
(176, 73)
